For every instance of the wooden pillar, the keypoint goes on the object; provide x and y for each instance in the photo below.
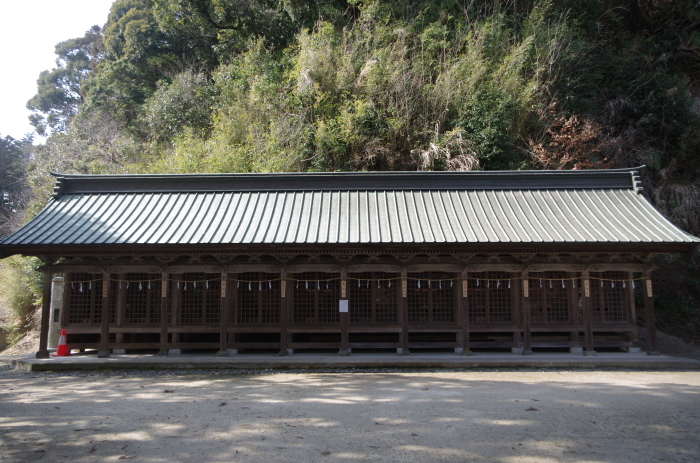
(285, 314)
(631, 309)
(175, 306)
(104, 336)
(43, 351)
(464, 309)
(403, 350)
(344, 314)
(587, 315)
(223, 317)
(164, 314)
(649, 312)
(527, 335)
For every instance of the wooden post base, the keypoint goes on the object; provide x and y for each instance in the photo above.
(104, 354)
(42, 354)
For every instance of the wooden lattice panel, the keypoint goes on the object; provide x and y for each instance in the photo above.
(431, 297)
(489, 297)
(315, 297)
(608, 297)
(373, 297)
(200, 298)
(258, 298)
(549, 297)
(85, 298)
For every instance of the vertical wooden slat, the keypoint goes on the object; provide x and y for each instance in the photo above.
(223, 316)
(587, 314)
(650, 316)
(527, 335)
(43, 351)
(104, 335)
(404, 314)
(285, 314)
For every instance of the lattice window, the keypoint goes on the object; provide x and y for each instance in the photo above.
(549, 297)
(85, 298)
(316, 296)
(489, 297)
(142, 298)
(258, 298)
(609, 297)
(373, 297)
(431, 297)
(200, 298)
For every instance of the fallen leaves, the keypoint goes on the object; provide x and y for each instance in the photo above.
(126, 457)
(326, 452)
(168, 391)
(530, 409)
(91, 449)
(222, 404)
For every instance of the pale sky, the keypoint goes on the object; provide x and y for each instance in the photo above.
(29, 31)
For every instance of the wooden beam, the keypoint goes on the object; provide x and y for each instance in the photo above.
(43, 351)
(104, 334)
(587, 315)
(527, 336)
(650, 316)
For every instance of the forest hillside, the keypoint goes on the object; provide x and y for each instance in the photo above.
(174, 86)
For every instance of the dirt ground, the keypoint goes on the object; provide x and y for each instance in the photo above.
(509, 417)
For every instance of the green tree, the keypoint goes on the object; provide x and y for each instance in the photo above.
(14, 191)
(60, 91)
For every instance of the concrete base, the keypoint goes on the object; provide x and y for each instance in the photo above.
(174, 351)
(118, 351)
(590, 353)
(357, 361)
(516, 350)
(232, 351)
(458, 350)
(222, 353)
(528, 352)
(576, 350)
(400, 351)
(344, 353)
(103, 354)
(633, 350)
(467, 353)
(162, 353)
(654, 353)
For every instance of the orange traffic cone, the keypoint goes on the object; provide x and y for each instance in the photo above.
(62, 350)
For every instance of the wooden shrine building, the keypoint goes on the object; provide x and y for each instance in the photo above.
(350, 261)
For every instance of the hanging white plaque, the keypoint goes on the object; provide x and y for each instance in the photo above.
(343, 305)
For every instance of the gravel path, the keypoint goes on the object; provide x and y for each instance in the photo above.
(402, 416)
